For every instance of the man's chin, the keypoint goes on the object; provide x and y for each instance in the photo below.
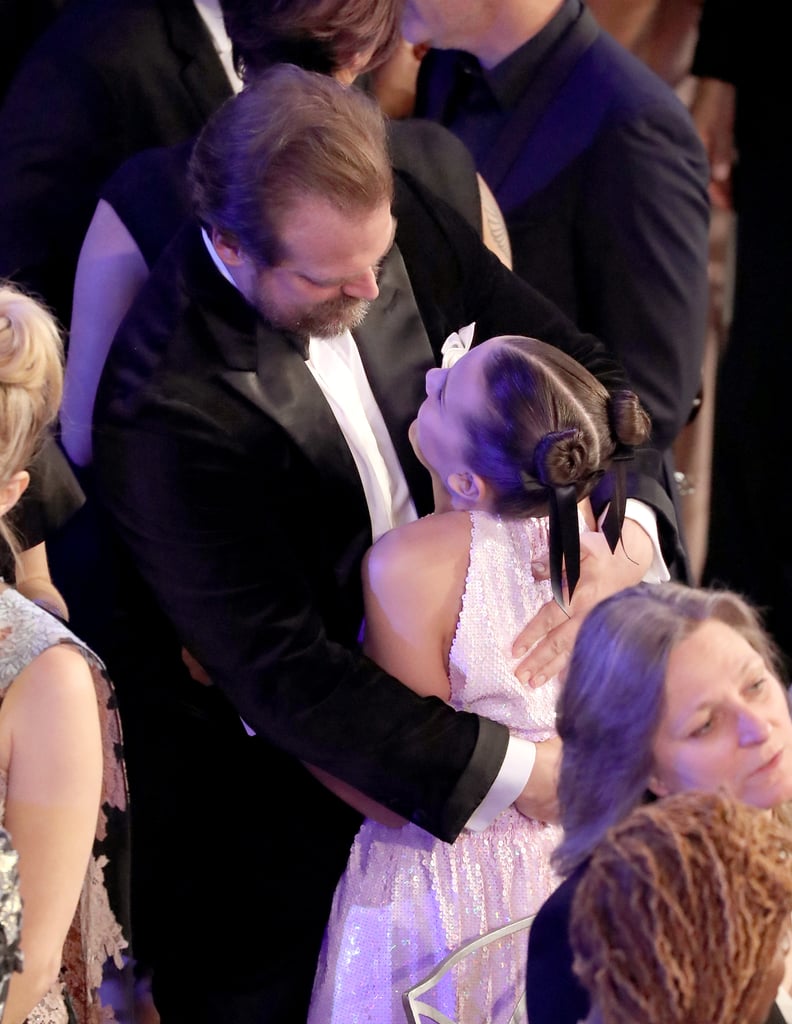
(327, 322)
(320, 326)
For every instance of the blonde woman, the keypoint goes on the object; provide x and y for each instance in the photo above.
(60, 768)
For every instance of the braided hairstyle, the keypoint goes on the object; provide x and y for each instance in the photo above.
(679, 914)
(31, 383)
(548, 423)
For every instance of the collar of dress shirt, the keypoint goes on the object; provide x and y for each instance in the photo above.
(216, 259)
(508, 80)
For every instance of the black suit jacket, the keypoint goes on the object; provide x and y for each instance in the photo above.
(602, 181)
(554, 994)
(104, 81)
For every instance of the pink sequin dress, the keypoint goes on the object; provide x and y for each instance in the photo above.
(406, 899)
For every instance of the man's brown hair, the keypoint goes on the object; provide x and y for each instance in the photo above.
(288, 135)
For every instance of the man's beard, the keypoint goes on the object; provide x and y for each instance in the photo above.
(324, 320)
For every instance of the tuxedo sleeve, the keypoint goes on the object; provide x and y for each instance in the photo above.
(214, 526)
(457, 280)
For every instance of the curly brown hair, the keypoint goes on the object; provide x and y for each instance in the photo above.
(680, 912)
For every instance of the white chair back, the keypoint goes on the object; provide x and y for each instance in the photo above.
(418, 1011)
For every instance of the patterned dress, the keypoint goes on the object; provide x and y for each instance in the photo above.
(95, 934)
(406, 899)
(10, 916)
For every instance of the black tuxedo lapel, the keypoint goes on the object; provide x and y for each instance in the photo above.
(264, 366)
(284, 389)
(201, 72)
(396, 354)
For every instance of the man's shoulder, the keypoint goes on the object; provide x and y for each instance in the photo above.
(633, 111)
(171, 338)
(631, 87)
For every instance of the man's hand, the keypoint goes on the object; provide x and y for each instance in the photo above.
(601, 574)
(539, 799)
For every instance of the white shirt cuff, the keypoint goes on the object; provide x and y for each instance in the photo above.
(509, 783)
(647, 520)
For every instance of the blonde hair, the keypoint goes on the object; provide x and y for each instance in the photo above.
(680, 911)
(31, 383)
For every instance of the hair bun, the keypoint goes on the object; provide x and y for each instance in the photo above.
(563, 457)
(17, 362)
(629, 420)
(31, 376)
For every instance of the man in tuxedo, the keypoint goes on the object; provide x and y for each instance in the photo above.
(105, 80)
(599, 173)
(250, 442)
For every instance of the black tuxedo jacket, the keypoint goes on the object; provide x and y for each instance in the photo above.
(228, 478)
(104, 81)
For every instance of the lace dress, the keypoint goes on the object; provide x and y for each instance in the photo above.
(406, 899)
(95, 934)
(10, 916)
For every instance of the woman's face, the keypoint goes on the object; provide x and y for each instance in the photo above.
(726, 723)
(439, 435)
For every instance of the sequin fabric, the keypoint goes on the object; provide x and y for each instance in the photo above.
(95, 934)
(407, 899)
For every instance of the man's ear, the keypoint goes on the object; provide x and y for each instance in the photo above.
(467, 490)
(12, 490)
(227, 248)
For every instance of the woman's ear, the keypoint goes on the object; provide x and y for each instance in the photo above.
(657, 786)
(468, 490)
(12, 490)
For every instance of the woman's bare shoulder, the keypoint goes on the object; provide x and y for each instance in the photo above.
(58, 672)
(428, 541)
